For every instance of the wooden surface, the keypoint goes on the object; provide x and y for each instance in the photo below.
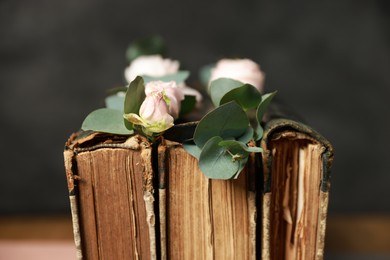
(353, 234)
(358, 233)
(54, 227)
(36, 238)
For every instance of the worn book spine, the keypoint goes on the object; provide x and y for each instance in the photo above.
(112, 198)
(202, 218)
(277, 199)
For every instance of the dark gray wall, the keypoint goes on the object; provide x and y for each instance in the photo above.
(328, 59)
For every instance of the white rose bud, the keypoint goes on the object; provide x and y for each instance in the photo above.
(156, 66)
(150, 65)
(244, 70)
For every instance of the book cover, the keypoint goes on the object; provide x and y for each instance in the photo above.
(296, 171)
(204, 218)
(111, 195)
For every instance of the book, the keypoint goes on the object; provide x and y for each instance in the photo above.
(111, 185)
(296, 172)
(204, 218)
(132, 200)
(110, 181)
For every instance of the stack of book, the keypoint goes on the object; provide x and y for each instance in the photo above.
(134, 200)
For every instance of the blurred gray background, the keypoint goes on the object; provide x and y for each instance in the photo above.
(330, 60)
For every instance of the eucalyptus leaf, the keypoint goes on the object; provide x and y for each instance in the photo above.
(265, 101)
(135, 95)
(178, 77)
(106, 120)
(192, 149)
(219, 87)
(115, 102)
(239, 153)
(215, 162)
(247, 136)
(247, 96)
(146, 46)
(187, 105)
(226, 121)
(254, 149)
(205, 74)
(237, 147)
(258, 132)
(241, 166)
(116, 90)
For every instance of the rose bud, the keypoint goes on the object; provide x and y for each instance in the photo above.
(244, 70)
(150, 65)
(153, 116)
(172, 94)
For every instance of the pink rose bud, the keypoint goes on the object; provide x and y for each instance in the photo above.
(172, 94)
(154, 111)
(244, 70)
(153, 116)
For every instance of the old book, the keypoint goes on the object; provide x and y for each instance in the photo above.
(296, 168)
(111, 193)
(203, 218)
(111, 184)
(117, 213)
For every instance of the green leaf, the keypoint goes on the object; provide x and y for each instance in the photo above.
(135, 95)
(146, 46)
(107, 121)
(247, 136)
(247, 96)
(219, 87)
(215, 162)
(237, 147)
(258, 132)
(266, 99)
(178, 77)
(116, 90)
(187, 105)
(205, 74)
(115, 102)
(226, 121)
(192, 149)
